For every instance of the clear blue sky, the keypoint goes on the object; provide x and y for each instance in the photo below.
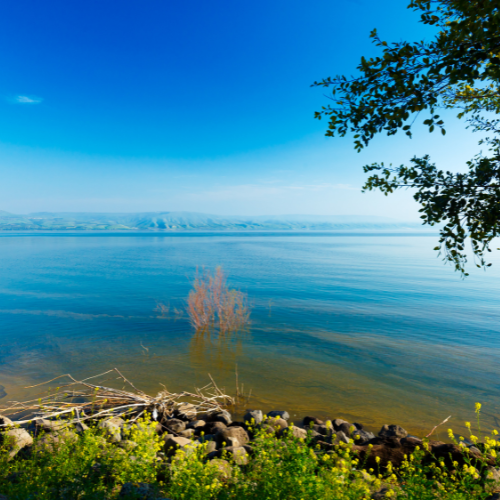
(193, 105)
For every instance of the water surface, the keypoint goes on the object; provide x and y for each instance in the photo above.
(373, 328)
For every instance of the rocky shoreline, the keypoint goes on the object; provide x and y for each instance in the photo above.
(226, 438)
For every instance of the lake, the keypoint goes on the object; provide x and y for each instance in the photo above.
(369, 327)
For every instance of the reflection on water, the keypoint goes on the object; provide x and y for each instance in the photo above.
(372, 329)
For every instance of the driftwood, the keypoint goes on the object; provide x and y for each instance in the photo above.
(80, 400)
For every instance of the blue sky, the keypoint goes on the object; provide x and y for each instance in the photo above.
(193, 105)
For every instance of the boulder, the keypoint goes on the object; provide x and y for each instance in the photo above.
(211, 447)
(361, 437)
(51, 441)
(237, 453)
(221, 416)
(214, 427)
(127, 445)
(338, 422)
(175, 425)
(15, 440)
(346, 428)
(4, 422)
(341, 437)
(253, 417)
(492, 479)
(232, 436)
(321, 429)
(51, 425)
(186, 411)
(392, 431)
(315, 421)
(293, 431)
(187, 433)
(112, 428)
(174, 443)
(80, 427)
(196, 424)
(224, 471)
(279, 413)
(276, 423)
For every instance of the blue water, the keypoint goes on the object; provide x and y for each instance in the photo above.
(370, 327)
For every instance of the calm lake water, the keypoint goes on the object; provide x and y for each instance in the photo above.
(372, 328)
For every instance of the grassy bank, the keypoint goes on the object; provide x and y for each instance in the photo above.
(79, 463)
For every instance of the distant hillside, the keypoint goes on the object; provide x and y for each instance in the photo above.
(182, 221)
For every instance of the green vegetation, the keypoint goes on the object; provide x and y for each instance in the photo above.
(459, 69)
(91, 466)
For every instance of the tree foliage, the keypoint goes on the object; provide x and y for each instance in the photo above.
(459, 69)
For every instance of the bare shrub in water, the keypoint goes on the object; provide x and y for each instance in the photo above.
(212, 303)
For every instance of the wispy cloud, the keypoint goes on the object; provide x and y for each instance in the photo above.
(26, 99)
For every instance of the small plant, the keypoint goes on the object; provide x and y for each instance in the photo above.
(212, 304)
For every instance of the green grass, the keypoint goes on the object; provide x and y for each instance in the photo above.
(280, 469)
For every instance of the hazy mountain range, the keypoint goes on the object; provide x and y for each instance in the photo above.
(176, 221)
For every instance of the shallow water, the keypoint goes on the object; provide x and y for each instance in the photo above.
(372, 328)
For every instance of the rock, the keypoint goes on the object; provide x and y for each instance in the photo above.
(175, 425)
(253, 417)
(492, 479)
(187, 433)
(224, 470)
(382, 494)
(293, 431)
(50, 442)
(4, 422)
(215, 427)
(279, 413)
(341, 437)
(346, 428)
(276, 423)
(237, 453)
(127, 445)
(112, 428)
(186, 411)
(206, 437)
(15, 440)
(495, 496)
(80, 427)
(321, 429)
(232, 436)
(221, 416)
(361, 437)
(50, 425)
(392, 431)
(3, 497)
(338, 422)
(358, 426)
(211, 447)
(195, 424)
(174, 443)
(315, 421)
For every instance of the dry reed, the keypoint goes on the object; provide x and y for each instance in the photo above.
(80, 400)
(212, 304)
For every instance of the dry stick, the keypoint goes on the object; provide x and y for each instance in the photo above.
(443, 422)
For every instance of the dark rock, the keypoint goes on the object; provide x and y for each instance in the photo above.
(232, 436)
(315, 421)
(186, 412)
(175, 425)
(279, 413)
(238, 453)
(342, 437)
(236, 423)
(338, 422)
(358, 426)
(214, 427)
(321, 429)
(187, 433)
(253, 417)
(221, 416)
(361, 437)
(495, 496)
(382, 493)
(392, 431)
(346, 428)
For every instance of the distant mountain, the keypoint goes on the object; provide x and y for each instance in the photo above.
(182, 221)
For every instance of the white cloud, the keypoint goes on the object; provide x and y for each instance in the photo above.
(24, 99)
